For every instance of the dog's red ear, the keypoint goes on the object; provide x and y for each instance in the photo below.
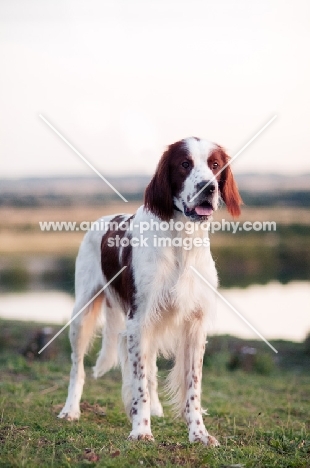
(158, 195)
(229, 190)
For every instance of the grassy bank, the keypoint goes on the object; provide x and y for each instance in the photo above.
(260, 420)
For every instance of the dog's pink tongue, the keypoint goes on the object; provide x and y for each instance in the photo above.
(201, 211)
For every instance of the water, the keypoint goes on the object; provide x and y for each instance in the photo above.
(277, 311)
(43, 306)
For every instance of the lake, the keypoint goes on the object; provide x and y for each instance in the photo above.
(277, 311)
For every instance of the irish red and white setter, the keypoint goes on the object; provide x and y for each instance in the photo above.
(157, 304)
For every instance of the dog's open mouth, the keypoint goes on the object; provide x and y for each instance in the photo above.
(202, 211)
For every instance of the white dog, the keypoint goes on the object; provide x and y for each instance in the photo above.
(157, 304)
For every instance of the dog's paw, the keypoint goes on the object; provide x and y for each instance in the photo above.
(69, 415)
(213, 442)
(204, 438)
(141, 436)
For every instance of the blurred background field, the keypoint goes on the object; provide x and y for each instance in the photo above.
(265, 274)
(244, 258)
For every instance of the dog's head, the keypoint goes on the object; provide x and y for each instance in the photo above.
(191, 177)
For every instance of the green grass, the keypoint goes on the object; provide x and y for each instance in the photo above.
(260, 420)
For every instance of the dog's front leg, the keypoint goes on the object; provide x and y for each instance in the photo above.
(137, 348)
(156, 407)
(195, 339)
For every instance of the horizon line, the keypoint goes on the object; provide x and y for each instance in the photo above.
(140, 174)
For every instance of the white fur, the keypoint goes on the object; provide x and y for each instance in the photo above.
(199, 151)
(173, 306)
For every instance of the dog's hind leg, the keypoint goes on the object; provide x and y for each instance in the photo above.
(113, 326)
(81, 332)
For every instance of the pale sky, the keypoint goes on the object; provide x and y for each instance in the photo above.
(122, 79)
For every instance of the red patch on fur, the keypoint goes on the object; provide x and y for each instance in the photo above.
(168, 181)
(227, 184)
(112, 262)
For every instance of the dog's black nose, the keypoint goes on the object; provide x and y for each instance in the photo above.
(208, 187)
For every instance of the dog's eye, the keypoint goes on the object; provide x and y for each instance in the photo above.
(215, 165)
(185, 164)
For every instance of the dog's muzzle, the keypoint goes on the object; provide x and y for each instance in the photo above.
(203, 208)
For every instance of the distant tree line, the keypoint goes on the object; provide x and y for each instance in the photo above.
(255, 199)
